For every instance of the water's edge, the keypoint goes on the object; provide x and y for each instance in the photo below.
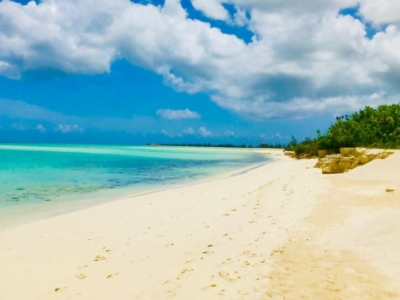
(43, 211)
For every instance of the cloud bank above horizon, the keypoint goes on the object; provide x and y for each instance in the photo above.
(303, 59)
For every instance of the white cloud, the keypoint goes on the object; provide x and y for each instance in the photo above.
(304, 54)
(170, 133)
(67, 128)
(229, 133)
(304, 107)
(41, 128)
(23, 111)
(177, 114)
(188, 130)
(380, 12)
(204, 132)
(212, 9)
(19, 127)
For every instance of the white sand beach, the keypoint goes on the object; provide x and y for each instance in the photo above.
(281, 231)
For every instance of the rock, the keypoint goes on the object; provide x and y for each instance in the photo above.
(322, 153)
(348, 152)
(385, 154)
(290, 154)
(331, 166)
(349, 158)
(366, 158)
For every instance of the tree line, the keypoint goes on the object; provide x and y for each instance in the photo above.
(369, 127)
(262, 145)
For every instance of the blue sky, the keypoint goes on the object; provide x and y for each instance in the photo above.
(214, 71)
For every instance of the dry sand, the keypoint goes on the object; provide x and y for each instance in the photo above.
(281, 231)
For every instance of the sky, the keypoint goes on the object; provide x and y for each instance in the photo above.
(192, 71)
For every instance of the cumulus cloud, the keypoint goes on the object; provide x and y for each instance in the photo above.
(68, 128)
(41, 128)
(304, 55)
(19, 127)
(212, 9)
(204, 132)
(170, 133)
(188, 130)
(177, 114)
(382, 12)
(229, 133)
(19, 110)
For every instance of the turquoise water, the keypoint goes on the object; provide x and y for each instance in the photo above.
(37, 180)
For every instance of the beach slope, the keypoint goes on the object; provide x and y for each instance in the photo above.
(280, 231)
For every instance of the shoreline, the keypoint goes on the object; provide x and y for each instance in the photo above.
(280, 230)
(38, 211)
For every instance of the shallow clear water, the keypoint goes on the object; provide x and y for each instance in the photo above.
(35, 179)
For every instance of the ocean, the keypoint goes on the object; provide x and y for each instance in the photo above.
(38, 181)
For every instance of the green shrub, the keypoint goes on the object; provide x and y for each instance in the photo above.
(372, 128)
(308, 147)
(367, 128)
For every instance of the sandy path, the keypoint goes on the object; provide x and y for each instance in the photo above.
(271, 233)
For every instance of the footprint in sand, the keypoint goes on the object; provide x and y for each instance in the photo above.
(187, 270)
(170, 294)
(99, 258)
(60, 289)
(211, 286)
(188, 262)
(228, 261)
(85, 266)
(226, 276)
(80, 276)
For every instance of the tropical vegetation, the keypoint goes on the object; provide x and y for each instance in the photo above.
(369, 127)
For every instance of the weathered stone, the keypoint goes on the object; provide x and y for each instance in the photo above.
(385, 154)
(322, 153)
(348, 152)
(290, 154)
(349, 158)
(332, 166)
(366, 158)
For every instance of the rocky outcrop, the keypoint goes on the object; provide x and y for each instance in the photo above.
(293, 154)
(349, 158)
